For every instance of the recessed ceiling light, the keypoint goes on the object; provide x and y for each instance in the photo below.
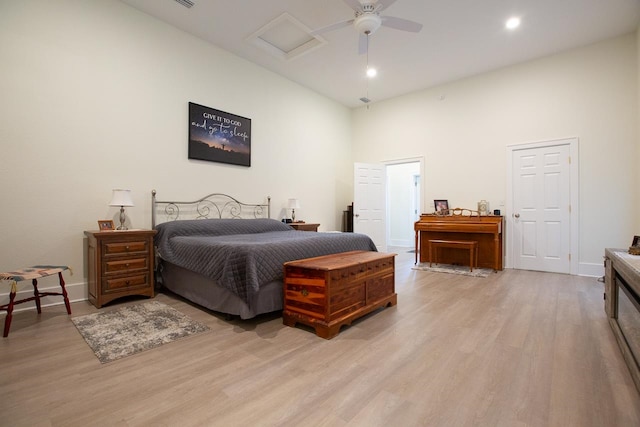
(371, 72)
(512, 23)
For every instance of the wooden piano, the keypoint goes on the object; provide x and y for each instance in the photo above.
(486, 230)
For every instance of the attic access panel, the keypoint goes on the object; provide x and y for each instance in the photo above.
(286, 38)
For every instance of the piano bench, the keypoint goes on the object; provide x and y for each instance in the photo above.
(470, 245)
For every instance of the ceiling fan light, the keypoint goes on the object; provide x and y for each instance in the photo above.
(512, 23)
(367, 23)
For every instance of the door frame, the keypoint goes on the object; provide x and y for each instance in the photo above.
(574, 189)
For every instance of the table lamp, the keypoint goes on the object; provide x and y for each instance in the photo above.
(293, 205)
(121, 198)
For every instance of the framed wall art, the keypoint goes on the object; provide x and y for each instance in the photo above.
(217, 136)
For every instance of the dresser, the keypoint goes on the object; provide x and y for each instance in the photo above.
(120, 263)
(622, 305)
(330, 291)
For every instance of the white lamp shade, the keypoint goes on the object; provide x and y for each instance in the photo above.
(294, 204)
(121, 198)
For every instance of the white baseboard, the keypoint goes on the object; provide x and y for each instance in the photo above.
(590, 269)
(75, 291)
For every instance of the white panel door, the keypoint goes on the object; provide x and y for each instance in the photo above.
(542, 208)
(369, 202)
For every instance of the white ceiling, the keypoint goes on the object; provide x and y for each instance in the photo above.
(459, 38)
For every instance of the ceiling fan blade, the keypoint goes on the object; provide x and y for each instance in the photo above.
(363, 44)
(332, 27)
(385, 3)
(354, 4)
(401, 24)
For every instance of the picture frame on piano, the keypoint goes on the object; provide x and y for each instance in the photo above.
(441, 206)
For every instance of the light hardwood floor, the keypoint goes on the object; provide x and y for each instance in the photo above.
(518, 348)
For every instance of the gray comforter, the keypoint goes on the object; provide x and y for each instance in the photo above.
(242, 255)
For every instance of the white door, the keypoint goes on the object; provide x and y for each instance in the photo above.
(542, 208)
(369, 202)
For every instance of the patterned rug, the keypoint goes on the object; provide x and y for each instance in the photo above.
(128, 330)
(454, 269)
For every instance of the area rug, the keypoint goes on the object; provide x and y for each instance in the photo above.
(128, 330)
(454, 269)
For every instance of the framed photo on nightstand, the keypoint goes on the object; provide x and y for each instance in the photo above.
(105, 225)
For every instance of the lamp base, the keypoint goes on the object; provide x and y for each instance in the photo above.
(123, 218)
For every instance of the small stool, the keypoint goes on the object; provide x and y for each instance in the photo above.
(470, 245)
(32, 273)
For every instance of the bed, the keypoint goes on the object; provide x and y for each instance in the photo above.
(227, 256)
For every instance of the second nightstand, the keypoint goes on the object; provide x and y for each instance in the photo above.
(304, 226)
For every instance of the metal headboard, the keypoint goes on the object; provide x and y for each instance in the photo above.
(214, 205)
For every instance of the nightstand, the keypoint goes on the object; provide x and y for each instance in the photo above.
(304, 226)
(120, 263)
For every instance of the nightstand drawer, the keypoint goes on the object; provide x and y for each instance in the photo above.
(125, 247)
(127, 282)
(123, 265)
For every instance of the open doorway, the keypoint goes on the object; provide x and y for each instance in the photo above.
(404, 203)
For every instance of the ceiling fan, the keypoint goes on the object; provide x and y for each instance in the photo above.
(367, 20)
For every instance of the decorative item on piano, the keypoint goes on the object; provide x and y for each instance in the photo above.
(463, 212)
(634, 249)
(483, 207)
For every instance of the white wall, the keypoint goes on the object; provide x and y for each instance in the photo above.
(462, 130)
(94, 96)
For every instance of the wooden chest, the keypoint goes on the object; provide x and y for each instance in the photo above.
(330, 291)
